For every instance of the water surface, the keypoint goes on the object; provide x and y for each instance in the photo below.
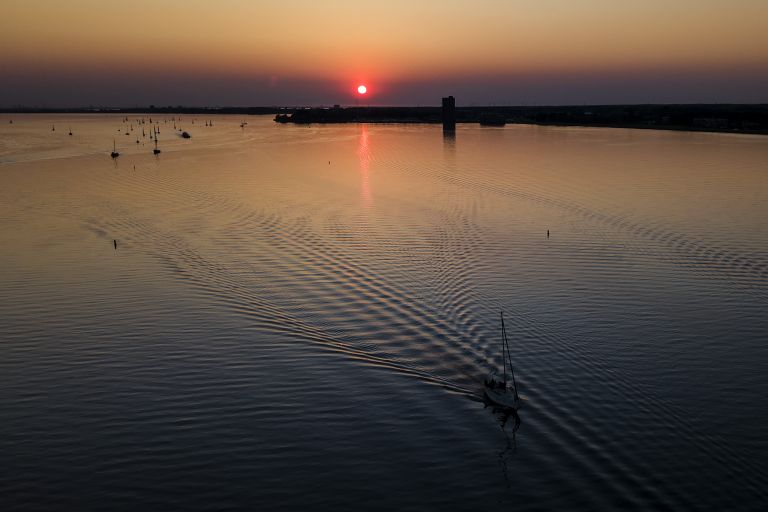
(301, 316)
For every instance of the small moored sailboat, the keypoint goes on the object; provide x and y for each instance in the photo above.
(497, 390)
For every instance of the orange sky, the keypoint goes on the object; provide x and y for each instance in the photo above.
(383, 42)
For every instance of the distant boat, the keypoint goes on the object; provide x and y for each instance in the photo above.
(156, 151)
(70, 130)
(53, 127)
(186, 135)
(497, 389)
(114, 153)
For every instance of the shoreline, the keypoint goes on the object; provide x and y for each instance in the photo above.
(718, 118)
(711, 118)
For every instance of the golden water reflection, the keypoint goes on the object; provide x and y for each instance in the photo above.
(364, 156)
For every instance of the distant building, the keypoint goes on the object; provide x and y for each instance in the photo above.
(449, 114)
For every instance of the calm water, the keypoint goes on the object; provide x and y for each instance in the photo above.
(301, 317)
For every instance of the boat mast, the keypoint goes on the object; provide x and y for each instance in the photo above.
(511, 370)
(503, 342)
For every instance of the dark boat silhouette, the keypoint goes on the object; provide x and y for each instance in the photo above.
(496, 388)
(156, 151)
(114, 153)
(186, 135)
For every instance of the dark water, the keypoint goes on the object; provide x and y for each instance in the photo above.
(301, 317)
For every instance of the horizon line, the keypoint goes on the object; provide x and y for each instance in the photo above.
(102, 108)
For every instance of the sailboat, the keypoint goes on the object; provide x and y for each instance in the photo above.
(156, 151)
(114, 153)
(497, 390)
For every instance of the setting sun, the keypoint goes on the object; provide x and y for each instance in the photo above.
(361, 89)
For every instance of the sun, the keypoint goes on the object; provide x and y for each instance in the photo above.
(361, 89)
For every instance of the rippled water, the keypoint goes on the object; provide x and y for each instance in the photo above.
(300, 317)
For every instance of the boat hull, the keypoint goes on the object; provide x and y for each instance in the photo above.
(503, 398)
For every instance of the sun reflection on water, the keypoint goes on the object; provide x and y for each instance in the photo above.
(364, 155)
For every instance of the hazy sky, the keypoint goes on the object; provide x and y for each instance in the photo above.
(252, 52)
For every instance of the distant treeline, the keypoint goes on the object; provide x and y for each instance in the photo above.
(143, 110)
(719, 118)
(752, 118)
